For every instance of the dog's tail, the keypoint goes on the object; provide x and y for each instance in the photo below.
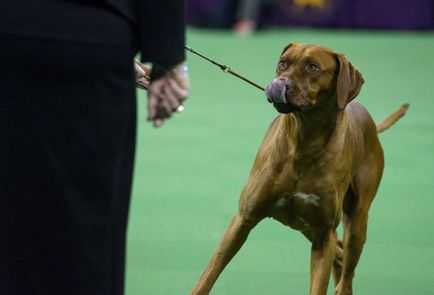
(392, 118)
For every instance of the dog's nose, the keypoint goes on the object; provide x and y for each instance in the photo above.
(275, 91)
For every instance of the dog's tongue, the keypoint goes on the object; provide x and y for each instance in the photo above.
(275, 91)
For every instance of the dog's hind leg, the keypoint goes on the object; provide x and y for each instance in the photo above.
(233, 238)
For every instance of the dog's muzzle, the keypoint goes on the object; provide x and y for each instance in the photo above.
(275, 91)
(276, 94)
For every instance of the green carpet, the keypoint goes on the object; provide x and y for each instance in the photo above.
(189, 173)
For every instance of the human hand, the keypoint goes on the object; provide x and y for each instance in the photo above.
(168, 89)
(143, 74)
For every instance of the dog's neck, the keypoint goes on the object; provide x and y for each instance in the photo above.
(314, 129)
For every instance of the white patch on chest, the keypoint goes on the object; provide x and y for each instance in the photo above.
(308, 198)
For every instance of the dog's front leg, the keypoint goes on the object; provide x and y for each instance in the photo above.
(322, 257)
(233, 238)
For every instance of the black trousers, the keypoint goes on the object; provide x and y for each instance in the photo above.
(67, 138)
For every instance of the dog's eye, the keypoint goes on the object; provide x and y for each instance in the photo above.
(282, 65)
(312, 68)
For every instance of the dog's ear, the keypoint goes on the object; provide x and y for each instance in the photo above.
(286, 48)
(349, 82)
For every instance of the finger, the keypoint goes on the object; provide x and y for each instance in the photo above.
(170, 96)
(143, 82)
(142, 75)
(141, 68)
(140, 72)
(158, 122)
(160, 116)
(180, 93)
(155, 89)
(152, 106)
(164, 109)
(146, 69)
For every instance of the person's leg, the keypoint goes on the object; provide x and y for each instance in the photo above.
(67, 132)
(247, 16)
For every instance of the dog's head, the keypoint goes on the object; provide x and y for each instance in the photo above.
(308, 76)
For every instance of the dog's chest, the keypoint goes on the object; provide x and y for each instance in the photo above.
(304, 209)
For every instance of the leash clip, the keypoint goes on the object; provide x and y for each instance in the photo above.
(226, 69)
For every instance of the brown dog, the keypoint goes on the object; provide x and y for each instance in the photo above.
(320, 161)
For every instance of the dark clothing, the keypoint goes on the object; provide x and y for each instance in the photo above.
(159, 24)
(67, 139)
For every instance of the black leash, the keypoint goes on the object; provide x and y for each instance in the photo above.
(224, 68)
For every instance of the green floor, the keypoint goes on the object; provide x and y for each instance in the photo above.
(190, 172)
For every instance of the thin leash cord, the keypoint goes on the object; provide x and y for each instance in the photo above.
(224, 68)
